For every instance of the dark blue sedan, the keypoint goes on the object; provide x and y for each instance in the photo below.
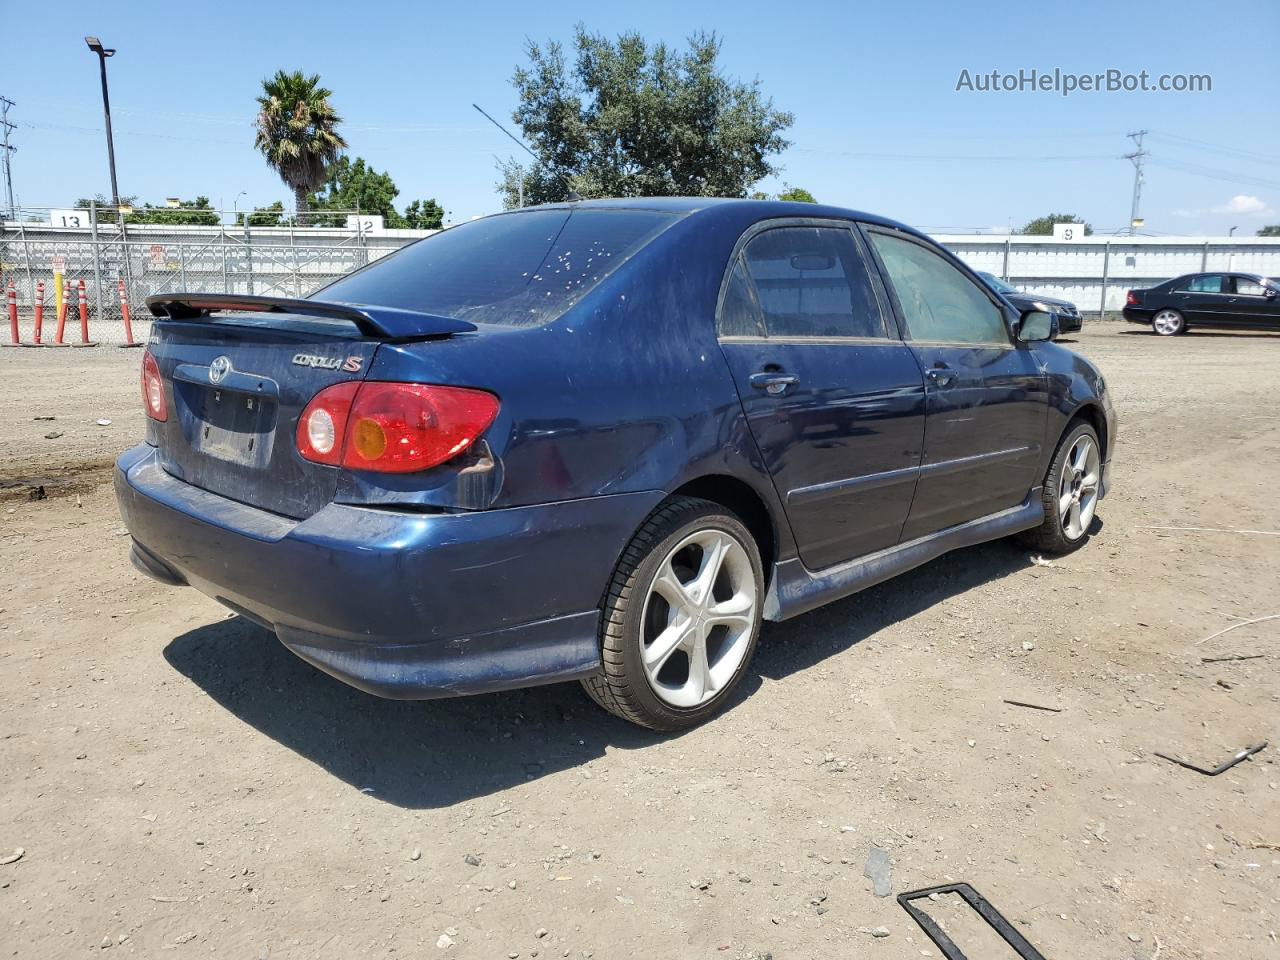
(601, 441)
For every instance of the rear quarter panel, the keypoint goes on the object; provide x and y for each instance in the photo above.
(626, 392)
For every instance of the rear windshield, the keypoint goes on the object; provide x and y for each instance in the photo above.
(518, 269)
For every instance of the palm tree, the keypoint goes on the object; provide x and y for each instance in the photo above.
(297, 131)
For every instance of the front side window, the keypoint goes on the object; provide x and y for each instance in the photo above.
(938, 302)
(517, 269)
(1250, 288)
(812, 282)
(1209, 283)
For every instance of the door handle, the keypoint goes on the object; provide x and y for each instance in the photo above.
(773, 383)
(941, 376)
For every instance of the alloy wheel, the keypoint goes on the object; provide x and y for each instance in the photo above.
(1078, 487)
(698, 618)
(1167, 322)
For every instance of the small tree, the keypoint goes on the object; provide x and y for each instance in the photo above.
(1043, 226)
(298, 131)
(629, 118)
(272, 216)
(197, 212)
(1271, 230)
(796, 194)
(424, 215)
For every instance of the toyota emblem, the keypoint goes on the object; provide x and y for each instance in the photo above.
(219, 369)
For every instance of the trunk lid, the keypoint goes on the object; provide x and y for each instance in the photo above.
(241, 369)
(237, 389)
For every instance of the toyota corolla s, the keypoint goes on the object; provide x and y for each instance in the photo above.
(601, 441)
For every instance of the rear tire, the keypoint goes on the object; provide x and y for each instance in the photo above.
(1070, 493)
(1168, 323)
(681, 617)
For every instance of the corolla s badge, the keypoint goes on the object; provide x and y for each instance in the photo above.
(219, 369)
(349, 365)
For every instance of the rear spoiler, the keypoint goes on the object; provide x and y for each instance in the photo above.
(385, 323)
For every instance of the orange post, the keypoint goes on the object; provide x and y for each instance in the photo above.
(62, 312)
(39, 310)
(84, 313)
(124, 312)
(13, 314)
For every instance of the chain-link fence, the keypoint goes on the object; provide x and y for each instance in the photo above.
(119, 268)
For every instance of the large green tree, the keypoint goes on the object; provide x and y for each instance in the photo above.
(627, 118)
(1271, 230)
(353, 185)
(298, 131)
(1043, 226)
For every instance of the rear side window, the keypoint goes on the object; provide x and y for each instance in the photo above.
(738, 315)
(812, 282)
(1209, 283)
(939, 302)
(517, 269)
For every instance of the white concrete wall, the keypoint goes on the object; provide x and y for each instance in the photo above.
(1075, 270)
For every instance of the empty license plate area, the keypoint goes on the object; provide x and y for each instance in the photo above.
(229, 424)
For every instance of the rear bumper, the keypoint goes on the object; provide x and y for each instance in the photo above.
(402, 605)
(1138, 314)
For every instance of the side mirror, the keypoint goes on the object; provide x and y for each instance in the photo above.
(1036, 326)
(1271, 293)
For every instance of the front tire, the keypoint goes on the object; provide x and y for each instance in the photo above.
(681, 617)
(1070, 493)
(1168, 323)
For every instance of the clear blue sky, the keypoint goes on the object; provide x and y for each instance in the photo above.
(879, 124)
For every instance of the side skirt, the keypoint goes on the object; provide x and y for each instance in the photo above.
(794, 589)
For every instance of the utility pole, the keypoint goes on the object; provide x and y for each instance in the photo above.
(9, 150)
(1136, 158)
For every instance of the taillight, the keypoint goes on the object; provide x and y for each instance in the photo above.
(153, 399)
(1131, 299)
(323, 425)
(392, 427)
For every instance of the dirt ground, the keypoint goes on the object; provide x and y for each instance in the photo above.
(181, 785)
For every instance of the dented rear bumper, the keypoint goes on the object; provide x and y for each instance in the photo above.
(406, 605)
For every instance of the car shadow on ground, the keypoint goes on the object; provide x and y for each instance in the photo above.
(436, 753)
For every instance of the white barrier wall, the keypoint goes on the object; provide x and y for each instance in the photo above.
(1080, 269)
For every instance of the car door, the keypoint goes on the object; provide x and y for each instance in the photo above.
(986, 393)
(1253, 304)
(1200, 299)
(833, 397)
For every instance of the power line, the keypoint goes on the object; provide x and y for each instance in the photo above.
(1214, 173)
(523, 146)
(1216, 148)
(870, 155)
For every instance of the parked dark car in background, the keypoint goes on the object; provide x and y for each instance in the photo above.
(1068, 314)
(1244, 301)
(601, 441)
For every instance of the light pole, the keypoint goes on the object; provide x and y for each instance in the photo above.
(235, 205)
(1232, 231)
(95, 45)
